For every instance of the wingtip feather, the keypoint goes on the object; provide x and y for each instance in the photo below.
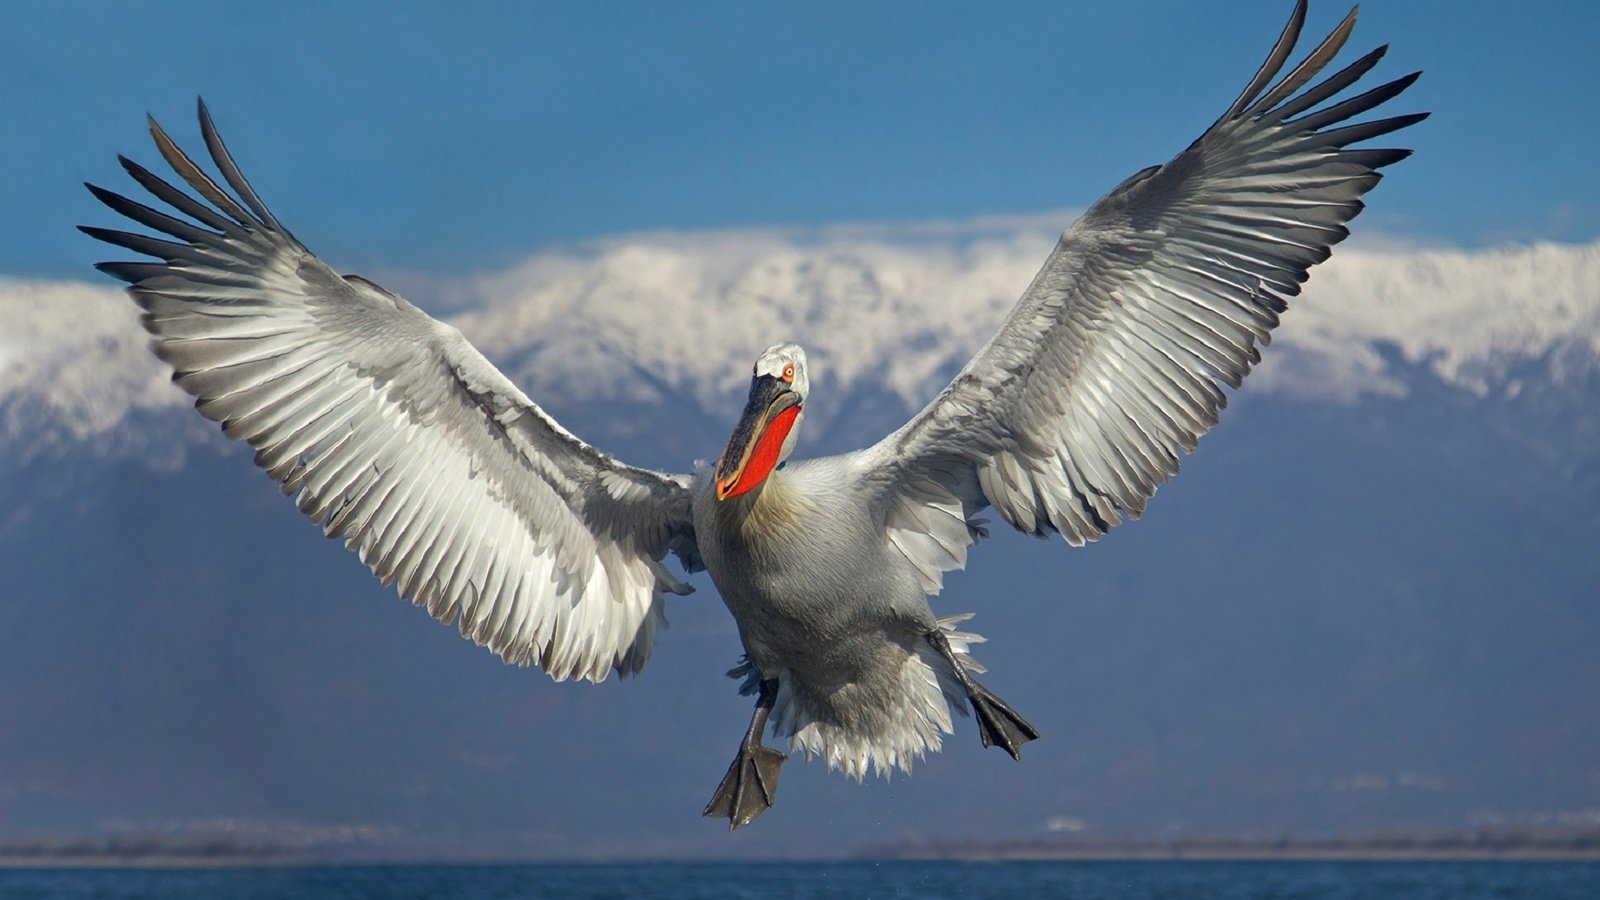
(1273, 63)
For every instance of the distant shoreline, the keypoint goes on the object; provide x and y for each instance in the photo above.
(150, 862)
(1156, 854)
(226, 851)
(138, 850)
(1579, 843)
(21, 863)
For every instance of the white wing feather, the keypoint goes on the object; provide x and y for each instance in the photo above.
(394, 433)
(1113, 361)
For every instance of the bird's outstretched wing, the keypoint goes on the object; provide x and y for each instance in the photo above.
(1114, 359)
(394, 433)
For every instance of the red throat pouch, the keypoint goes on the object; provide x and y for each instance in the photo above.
(765, 457)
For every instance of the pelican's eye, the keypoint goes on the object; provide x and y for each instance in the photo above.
(788, 372)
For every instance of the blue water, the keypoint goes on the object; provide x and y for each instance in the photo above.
(725, 881)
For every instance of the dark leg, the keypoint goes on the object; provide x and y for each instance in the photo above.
(746, 791)
(998, 724)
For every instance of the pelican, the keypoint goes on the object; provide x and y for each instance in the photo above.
(392, 433)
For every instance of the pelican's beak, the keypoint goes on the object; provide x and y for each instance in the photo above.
(757, 442)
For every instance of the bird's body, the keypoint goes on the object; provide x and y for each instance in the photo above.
(802, 562)
(394, 434)
(832, 611)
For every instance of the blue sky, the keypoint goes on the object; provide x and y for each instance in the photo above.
(454, 138)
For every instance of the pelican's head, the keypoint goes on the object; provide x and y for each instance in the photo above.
(766, 432)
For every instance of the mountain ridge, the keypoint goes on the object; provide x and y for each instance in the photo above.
(888, 309)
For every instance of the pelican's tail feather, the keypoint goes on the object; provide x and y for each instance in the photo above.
(884, 721)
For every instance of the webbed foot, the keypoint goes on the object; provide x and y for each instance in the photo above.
(998, 724)
(752, 781)
(747, 790)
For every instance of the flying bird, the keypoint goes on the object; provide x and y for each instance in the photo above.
(391, 432)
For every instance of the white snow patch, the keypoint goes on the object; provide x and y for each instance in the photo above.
(896, 308)
(75, 365)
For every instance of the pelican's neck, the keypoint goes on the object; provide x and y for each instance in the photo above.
(774, 510)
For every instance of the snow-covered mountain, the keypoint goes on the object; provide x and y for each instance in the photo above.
(1368, 601)
(891, 311)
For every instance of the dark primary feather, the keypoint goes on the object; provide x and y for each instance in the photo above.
(229, 169)
(1279, 53)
